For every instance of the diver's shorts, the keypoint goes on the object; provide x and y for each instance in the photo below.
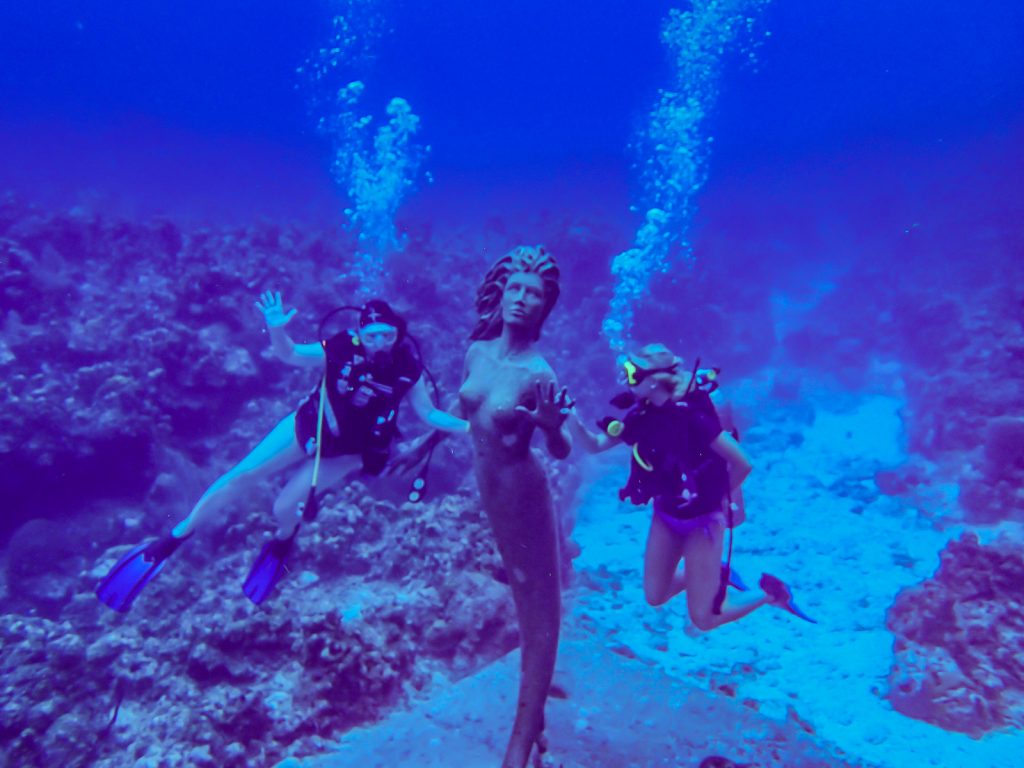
(685, 526)
(373, 453)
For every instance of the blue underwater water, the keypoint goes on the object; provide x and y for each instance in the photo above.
(822, 200)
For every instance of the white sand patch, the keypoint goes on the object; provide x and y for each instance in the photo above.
(817, 521)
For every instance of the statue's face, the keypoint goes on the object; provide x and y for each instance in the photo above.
(522, 302)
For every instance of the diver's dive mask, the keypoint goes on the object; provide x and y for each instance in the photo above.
(378, 341)
(634, 374)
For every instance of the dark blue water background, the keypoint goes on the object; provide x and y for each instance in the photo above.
(192, 108)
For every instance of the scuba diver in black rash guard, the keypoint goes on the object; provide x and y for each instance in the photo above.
(367, 374)
(350, 416)
(692, 469)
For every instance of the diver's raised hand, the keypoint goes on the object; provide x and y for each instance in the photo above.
(551, 407)
(269, 303)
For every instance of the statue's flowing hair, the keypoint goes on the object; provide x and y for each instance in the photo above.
(531, 259)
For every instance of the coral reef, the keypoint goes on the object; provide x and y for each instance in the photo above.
(960, 640)
(381, 598)
(125, 341)
(956, 359)
(131, 357)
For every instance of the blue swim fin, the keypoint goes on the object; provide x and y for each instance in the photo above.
(735, 580)
(131, 573)
(270, 567)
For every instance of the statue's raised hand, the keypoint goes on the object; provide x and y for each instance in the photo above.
(550, 407)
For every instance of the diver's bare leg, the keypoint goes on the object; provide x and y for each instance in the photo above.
(296, 490)
(662, 579)
(703, 556)
(278, 450)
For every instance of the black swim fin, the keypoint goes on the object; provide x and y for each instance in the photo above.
(270, 567)
(131, 573)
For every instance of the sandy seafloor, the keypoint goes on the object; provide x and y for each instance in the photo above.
(846, 559)
(815, 519)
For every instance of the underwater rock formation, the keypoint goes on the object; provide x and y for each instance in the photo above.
(957, 360)
(995, 491)
(122, 340)
(614, 712)
(960, 640)
(381, 598)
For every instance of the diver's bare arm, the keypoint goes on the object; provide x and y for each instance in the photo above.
(287, 351)
(420, 447)
(271, 307)
(435, 437)
(726, 446)
(592, 442)
(432, 415)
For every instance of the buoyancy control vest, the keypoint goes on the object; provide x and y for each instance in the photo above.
(671, 451)
(363, 395)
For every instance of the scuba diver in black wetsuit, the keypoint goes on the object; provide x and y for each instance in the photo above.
(692, 469)
(367, 374)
